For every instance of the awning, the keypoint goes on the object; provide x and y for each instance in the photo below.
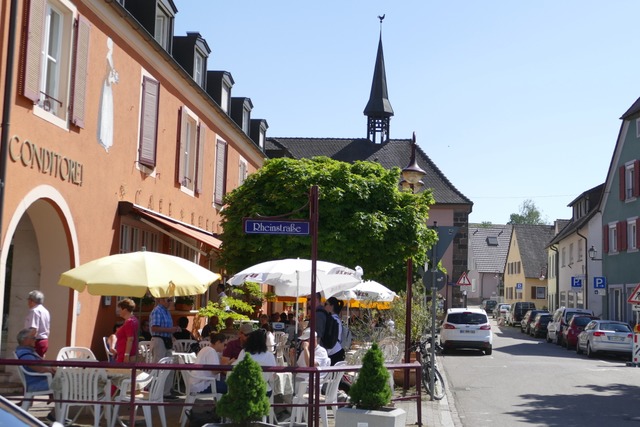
(159, 222)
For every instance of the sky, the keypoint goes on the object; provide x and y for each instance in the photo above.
(512, 100)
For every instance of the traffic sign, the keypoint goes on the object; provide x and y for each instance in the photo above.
(600, 283)
(464, 280)
(634, 298)
(576, 282)
(519, 286)
(427, 279)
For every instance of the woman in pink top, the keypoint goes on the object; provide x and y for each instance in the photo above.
(127, 334)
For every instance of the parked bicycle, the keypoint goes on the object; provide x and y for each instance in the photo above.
(424, 349)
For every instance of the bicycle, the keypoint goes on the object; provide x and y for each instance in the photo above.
(439, 385)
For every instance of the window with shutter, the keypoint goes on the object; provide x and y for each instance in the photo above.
(200, 163)
(149, 122)
(46, 78)
(80, 72)
(242, 171)
(221, 172)
(622, 236)
(187, 150)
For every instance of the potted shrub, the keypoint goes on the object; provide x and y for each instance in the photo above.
(371, 396)
(246, 401)
(185, 303)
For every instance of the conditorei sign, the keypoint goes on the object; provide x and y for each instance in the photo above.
(45, 161)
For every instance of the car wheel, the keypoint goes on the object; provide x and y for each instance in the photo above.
(488, 351)
(590, 353)
(578, 350)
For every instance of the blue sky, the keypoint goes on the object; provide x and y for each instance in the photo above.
(512, 100)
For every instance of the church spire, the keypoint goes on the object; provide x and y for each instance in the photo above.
(378, 109)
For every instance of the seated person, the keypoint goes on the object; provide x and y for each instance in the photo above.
(210, 328)
(26, 350)
(234, 347)
(320, 355)
(111, 344)
(256, 347)
(145, 333)
(184, 334)
(229, 330)
(271, 338)
(210, 356)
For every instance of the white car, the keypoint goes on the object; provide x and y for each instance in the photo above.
(466, 328)
(606, 336)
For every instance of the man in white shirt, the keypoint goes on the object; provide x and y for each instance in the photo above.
(38, 318)
(320, 355)
(210, 356)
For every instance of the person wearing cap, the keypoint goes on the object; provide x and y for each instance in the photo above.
(320, 355)
(234, 347)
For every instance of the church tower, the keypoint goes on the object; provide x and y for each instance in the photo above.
(378, 109)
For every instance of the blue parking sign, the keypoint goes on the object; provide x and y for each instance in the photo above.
(600, 283)
(576, 282)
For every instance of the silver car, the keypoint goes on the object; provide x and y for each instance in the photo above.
(606, 336)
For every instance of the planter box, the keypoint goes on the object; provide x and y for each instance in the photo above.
(383, 417)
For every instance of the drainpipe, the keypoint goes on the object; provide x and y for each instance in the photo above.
(586, 269)
(6, 106)
(556, 274)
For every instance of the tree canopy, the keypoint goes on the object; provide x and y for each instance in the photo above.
(364, 219)
(529, 214)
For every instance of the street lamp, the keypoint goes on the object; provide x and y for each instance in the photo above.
(593, 253)
(411, 180)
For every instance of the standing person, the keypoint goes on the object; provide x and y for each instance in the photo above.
(321, 318)
(127, 334)
(221, 295)
(161, 339)
(271, 338)
(38, 318)
(210, 356)
(334, 306)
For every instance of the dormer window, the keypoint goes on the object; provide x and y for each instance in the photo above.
(157, 17)
(226, 96)
(219, 84)
(198, 69)
(246, 114)
(492, 241)
(191, 52)
(241, 113)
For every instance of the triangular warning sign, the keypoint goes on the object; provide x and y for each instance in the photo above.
(634, 298)
(463, 280)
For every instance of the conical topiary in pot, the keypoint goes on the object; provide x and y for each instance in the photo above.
(371, 389)
(371, 395)
(246, 399)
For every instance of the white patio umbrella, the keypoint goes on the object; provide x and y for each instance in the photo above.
(367, 291)
(292, 277)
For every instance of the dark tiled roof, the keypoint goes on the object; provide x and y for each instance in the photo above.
(532, 240)
(488, 258)
(633, 110)
(393, 153)
(593, 195)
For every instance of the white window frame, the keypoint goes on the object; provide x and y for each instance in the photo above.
(189, 157)
(613, 238)
(198, 68)
(162, 31)
(637, 128)
(224, 97)
(51, 110)
(563, 256)
(243, 171)
(580, 252)
(629, 171)
(245, 120)
(571, 253)
(632, 244)
(541, 292)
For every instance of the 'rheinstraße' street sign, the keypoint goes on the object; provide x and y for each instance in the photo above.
(270, 226)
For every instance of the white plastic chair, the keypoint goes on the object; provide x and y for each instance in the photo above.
(204, 343)
(155, 382)
(191, 396)
(75, 353)
(80, 386)
(144, 352)
(110, 356)
(183, 346)
(28, 395)
(332, 379)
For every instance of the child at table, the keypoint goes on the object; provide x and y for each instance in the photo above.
(209, 355)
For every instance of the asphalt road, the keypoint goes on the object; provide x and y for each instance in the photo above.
(529, 382)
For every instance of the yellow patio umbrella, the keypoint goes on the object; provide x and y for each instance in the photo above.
(133, 274)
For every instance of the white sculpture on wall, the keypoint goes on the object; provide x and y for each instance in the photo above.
(105, 115)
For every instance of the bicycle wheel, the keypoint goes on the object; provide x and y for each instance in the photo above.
(438, 383)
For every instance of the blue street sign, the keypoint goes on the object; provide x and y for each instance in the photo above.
(269, 226)
(600, 283)
(576, 282)
(518, 286)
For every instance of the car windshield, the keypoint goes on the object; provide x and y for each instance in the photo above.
(544, 320)
(467, 318)
(615, 327)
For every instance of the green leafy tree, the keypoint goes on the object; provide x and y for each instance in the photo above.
(529, 214)
(364, 219)
(371, 389)
(246, 398)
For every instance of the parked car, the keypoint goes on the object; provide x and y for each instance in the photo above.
(501, 310)
(466, 328)
(560, 320)
(573, 329)
(517, 312)
(607, 336)
(538, 327)
(488, 305)
(12, 415)
(528, 319)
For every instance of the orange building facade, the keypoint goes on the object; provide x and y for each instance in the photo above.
(115, 137)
